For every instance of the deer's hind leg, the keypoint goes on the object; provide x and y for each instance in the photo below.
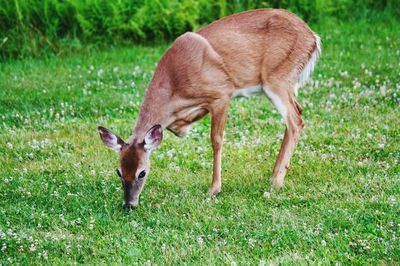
(282, 96)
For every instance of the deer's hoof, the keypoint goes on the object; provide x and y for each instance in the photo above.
(214, 191)
(267, 194)
(276, 182)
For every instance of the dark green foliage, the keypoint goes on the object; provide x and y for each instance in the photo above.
(37, 26)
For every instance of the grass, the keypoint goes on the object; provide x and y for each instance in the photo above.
(61, 199)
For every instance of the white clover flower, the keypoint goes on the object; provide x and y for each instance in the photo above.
(251, 242)
(392, 200)
(383, 90)
(100, 72)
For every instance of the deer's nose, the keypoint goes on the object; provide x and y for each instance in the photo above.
(128, 206)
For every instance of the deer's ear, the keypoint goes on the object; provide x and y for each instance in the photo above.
(110, 139)
(153, 137)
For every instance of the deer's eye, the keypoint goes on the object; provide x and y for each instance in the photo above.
(142, 174)
(119, 173)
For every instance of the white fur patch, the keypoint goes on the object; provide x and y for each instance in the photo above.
(305, 74)
(247, 92)
(114, 144)
(278, 103)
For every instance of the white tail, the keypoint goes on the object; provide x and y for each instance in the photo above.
(308, 69)
(267, 50)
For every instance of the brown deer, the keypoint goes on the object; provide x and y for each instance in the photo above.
(264, 50)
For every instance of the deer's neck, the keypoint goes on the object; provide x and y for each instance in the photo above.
(155, 110)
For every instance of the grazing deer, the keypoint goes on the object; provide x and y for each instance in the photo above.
(264, 50)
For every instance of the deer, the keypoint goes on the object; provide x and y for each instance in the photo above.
(267, 51)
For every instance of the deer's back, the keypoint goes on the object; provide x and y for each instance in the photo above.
(262, 42)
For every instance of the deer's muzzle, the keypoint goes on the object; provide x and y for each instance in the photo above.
(132, 191)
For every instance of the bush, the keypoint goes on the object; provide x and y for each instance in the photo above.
(34, 27)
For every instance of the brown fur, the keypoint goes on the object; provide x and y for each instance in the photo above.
(241, 50)
(131, 156)
(200, 72)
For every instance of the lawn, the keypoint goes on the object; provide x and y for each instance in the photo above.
(60, 198)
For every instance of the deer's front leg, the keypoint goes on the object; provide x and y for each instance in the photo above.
(219, 113)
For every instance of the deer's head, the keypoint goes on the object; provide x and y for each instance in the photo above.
(134, 163)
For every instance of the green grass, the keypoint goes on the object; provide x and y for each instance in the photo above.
(60, 199)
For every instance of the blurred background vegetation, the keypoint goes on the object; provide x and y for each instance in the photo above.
(35, 27)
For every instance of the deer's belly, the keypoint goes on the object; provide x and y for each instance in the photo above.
(247, 91)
